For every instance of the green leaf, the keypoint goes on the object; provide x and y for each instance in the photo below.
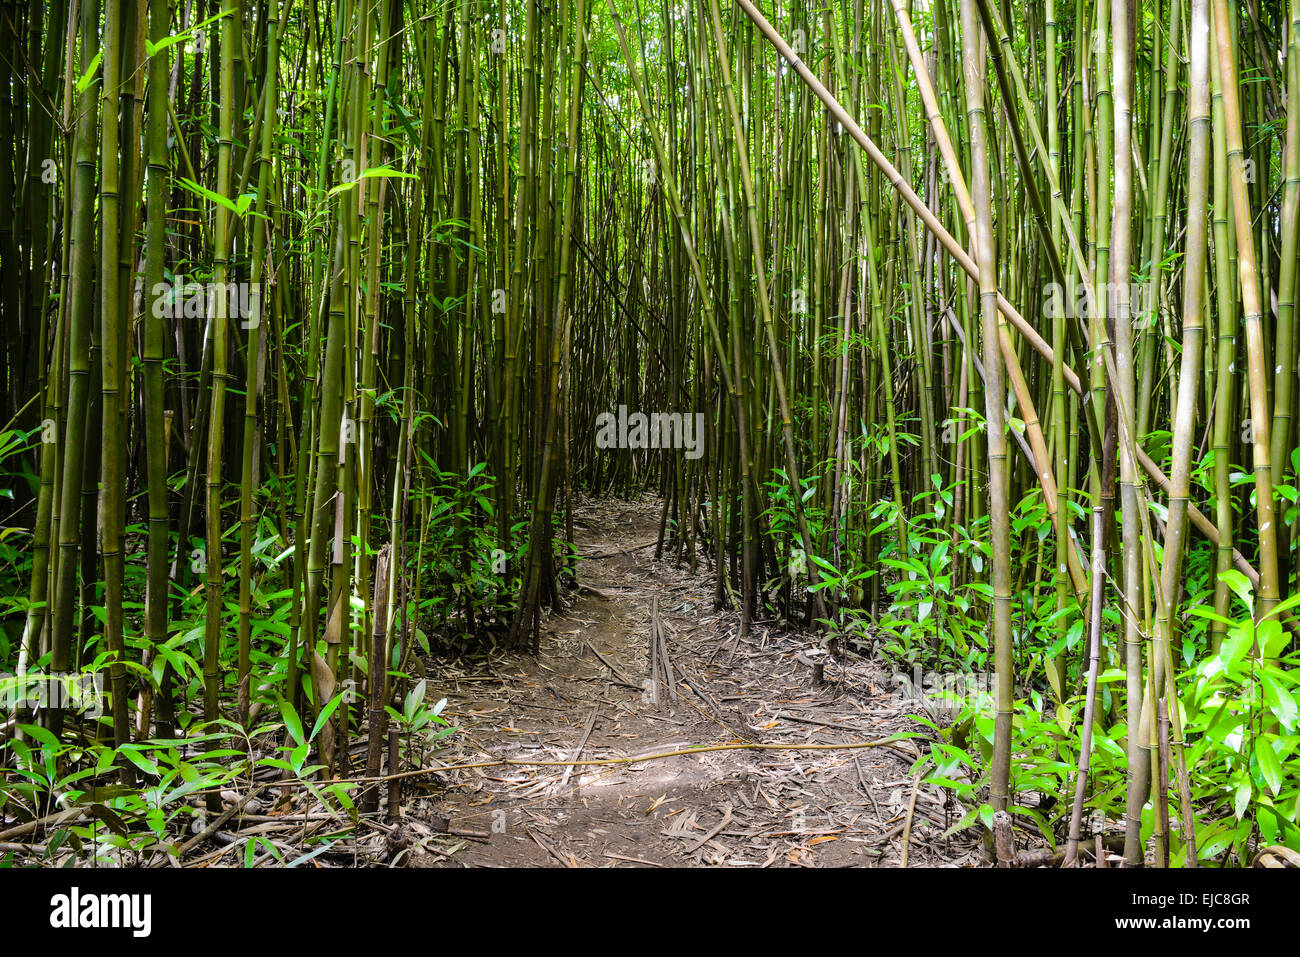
(88, 77)
(1064, 717)
(325, 713)
(1270, 637)
(151, 48)
(387, 171)
(1215, 839)
(109, 817)
(210, 196)
(1240, 586)
(1286, 604)
(129, 752)
(1269, 764)
(1241, 800)
(1203, 611)
(404, 118)
(1279, 699)
(291, 721)
(307, 857)
(414, 699)
(43, 735)
(1235, 647)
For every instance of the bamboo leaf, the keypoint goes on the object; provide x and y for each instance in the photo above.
(210, 196)
(291, 720)
(88, 77)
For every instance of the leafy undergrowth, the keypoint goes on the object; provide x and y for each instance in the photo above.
(176, 794)
(1236, 679)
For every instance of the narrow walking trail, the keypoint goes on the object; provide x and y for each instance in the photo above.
(589, 696)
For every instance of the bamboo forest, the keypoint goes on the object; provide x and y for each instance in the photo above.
(649, 433)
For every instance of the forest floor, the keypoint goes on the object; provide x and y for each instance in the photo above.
(587, 696)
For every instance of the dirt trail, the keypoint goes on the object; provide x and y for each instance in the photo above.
(754, 808)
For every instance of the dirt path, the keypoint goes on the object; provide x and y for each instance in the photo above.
(754, 808)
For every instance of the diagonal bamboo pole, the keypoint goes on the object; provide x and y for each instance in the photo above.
(1015, 374)
(964, 260)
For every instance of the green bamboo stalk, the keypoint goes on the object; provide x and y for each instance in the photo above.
(999, 504)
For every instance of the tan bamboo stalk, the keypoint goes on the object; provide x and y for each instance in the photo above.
(1184, 426)
(1119, 309)
(1252, 316)
(1284, 380)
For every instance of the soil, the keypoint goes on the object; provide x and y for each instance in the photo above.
(737, 808)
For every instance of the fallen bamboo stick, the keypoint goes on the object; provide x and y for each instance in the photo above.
(638, 758)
